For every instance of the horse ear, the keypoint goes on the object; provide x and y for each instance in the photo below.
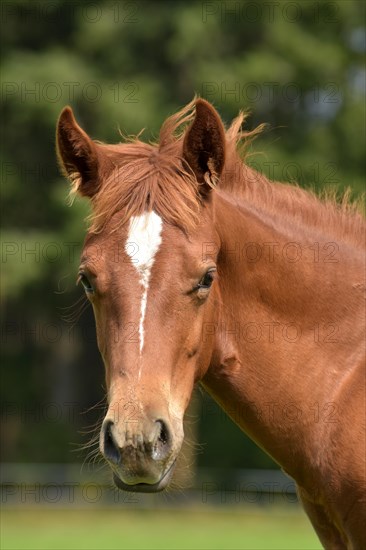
(77, 154)
(204, 145)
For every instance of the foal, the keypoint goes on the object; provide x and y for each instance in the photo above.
(199, 269)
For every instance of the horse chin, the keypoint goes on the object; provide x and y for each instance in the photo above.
(145, 487)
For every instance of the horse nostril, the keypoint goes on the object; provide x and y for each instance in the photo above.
(110, 447)
(163, 435)
(162, 442)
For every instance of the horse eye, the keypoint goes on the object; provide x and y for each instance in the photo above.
(207, 279)
(83, 279)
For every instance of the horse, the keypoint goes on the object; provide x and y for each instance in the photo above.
(200, 270)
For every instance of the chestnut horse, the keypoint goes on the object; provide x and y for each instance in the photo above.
(199, 269)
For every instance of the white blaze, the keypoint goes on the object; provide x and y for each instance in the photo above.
(143, 241)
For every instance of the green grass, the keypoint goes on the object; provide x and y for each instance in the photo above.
(111, 528)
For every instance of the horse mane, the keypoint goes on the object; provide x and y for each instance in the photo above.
(329, 211)
(154, 176)
(149, 176)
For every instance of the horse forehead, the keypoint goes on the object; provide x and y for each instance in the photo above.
(144, 239)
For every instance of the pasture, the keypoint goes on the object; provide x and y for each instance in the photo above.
(252, 528)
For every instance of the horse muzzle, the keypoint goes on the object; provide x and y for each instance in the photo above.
(145, 487)
(141, 454)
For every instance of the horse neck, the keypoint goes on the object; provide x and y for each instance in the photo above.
(284, 338)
